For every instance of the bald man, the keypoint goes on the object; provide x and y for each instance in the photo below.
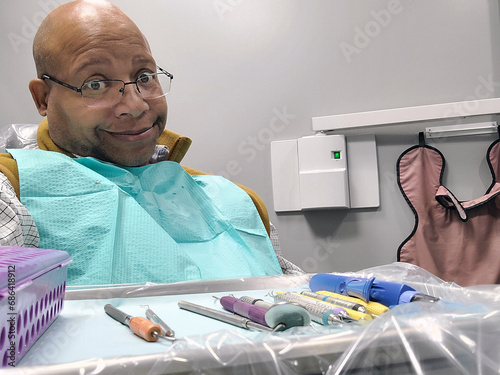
(106, 184)
(99, 43)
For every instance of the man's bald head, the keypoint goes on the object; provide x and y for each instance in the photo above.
(89, 41)
(63, 27)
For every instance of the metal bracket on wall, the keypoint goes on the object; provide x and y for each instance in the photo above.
(479, 128)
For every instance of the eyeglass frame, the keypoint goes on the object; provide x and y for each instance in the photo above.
(79, 89)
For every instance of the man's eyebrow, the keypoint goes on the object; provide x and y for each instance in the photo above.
(141, 59)
(90, 62)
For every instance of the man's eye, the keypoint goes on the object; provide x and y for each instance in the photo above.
(95, 85)
(145, 78)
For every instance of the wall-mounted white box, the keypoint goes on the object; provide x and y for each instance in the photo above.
(325, 171)
(323, 176)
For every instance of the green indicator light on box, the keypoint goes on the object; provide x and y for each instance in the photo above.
(336, 154)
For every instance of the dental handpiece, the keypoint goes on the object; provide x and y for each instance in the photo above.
(373, 308)
(338, 310)
(336, 301)
(347, 313)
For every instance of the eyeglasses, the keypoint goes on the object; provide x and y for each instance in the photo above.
(107, 93)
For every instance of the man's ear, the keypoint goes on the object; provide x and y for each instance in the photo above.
(40, 93)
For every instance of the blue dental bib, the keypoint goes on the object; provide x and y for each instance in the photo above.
(143, 224)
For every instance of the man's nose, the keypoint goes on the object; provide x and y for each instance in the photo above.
(131, 103)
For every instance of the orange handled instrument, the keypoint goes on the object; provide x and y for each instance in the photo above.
(142, 327)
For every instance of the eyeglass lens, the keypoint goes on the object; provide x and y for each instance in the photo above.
(109, 93)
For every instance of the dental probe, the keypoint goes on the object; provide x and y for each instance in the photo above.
(166, 331)
(233, 319)
(142, 327)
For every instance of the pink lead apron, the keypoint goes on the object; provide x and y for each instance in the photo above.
(456, 241)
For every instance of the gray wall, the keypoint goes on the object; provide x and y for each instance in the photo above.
(239, 64)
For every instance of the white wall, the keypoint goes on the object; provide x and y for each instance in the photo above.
(251, 71)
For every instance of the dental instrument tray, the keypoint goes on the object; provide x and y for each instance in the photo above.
(32, 286)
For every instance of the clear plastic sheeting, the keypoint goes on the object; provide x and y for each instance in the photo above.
(18, 136)
(460, 334)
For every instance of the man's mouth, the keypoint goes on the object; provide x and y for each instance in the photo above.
(132, 136)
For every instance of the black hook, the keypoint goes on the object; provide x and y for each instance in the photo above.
(421, 139)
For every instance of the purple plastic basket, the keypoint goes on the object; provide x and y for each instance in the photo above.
(32, 286)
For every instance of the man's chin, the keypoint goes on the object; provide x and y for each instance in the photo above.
(136, 162)
(128, 158)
